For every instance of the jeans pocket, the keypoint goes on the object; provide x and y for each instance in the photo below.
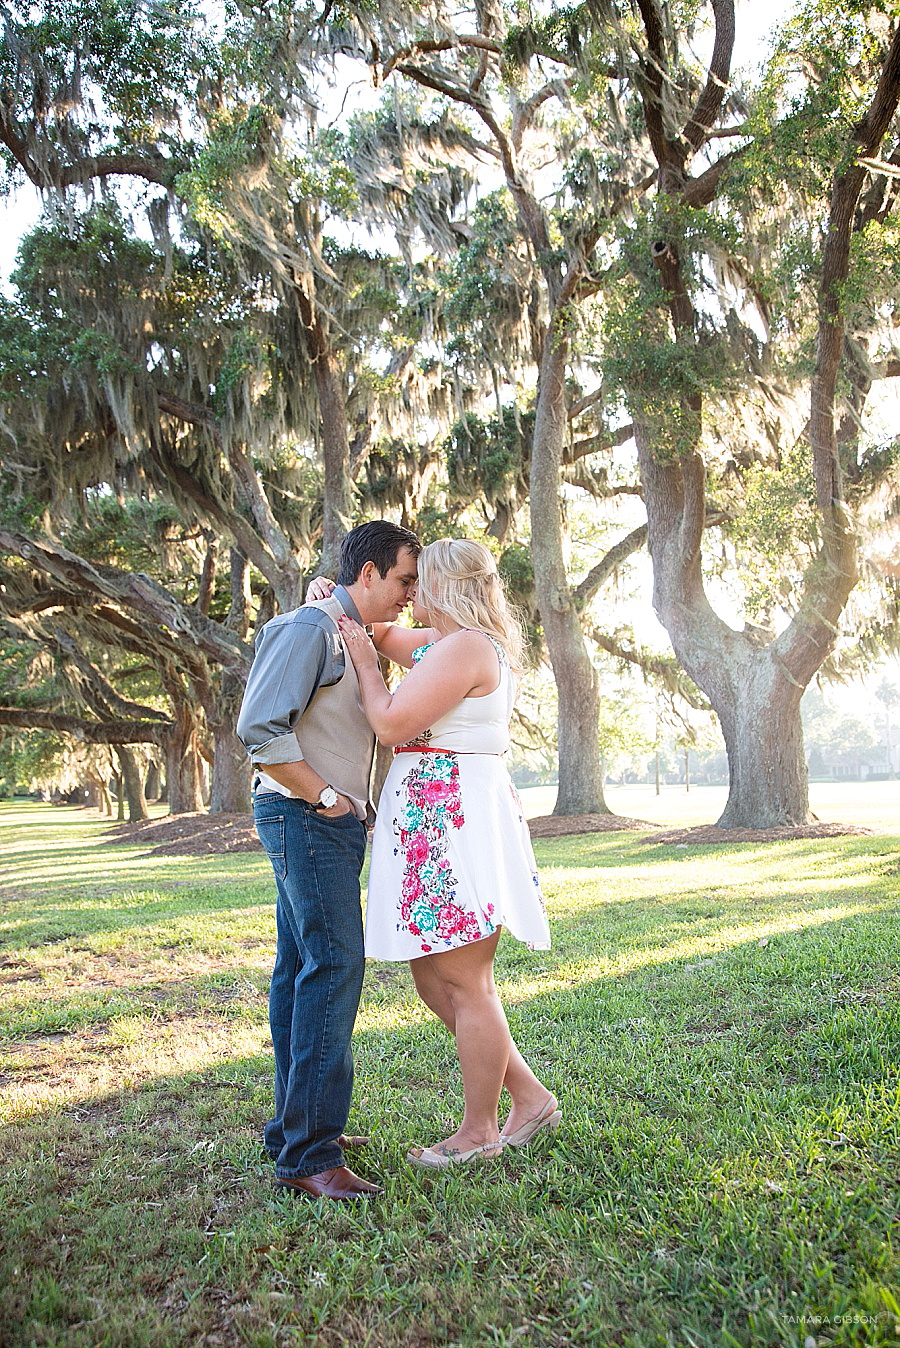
(271, 835)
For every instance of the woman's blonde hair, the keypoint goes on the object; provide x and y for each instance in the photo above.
(459, 578)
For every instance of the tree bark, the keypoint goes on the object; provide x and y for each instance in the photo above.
(120, 797)
(230, 792)
(132, 782)
(231, 767)
(580, 778)
(768, 784)
(337, 497)
(754, 695)
(183, 762)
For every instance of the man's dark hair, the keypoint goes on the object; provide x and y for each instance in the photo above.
(380, 542)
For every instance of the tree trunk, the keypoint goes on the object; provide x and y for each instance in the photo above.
(183, 763)
(132, 784)
(383, 759)
(152, 782)
(580, 777)
(98, 793)
(754, 695)
(768, 785)
(337, 496)
(231, 766)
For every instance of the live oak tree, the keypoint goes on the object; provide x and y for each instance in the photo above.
(296, 355)
(522, 286)
(204, 369)
(680, 235)
(658, 282)
(104, 627)
(173, 369)
(705, 221)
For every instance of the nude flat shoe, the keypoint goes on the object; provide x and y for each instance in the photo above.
(429, 1159)
(549, 1117)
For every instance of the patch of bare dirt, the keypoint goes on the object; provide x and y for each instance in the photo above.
(188, 835)
(560, 825)
(206, 834)
(209, 834)
(710, 833)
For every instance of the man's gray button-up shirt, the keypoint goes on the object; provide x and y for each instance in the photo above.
(296, 654)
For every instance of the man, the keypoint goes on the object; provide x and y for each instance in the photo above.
(311, 747)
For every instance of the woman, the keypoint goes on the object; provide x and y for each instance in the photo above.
(451, 856)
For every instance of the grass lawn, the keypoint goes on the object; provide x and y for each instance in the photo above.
(721, 1026)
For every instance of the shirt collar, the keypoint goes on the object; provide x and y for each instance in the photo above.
(347, 604)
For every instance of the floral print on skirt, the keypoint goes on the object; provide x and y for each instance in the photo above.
(451, 858)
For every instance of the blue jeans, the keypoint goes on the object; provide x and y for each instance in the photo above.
(317, 980)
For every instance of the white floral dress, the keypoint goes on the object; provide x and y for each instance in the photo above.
(451, 853)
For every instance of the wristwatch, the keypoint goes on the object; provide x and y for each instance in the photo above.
(327, 798)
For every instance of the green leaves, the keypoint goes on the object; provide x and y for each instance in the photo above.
(776, 533)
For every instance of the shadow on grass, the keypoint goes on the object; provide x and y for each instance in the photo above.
(652, 943)
(615, 849)
(712, 1114)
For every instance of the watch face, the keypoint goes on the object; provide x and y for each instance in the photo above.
(328, 797)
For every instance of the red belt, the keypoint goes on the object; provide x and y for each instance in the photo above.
(435, 749)
(423, 749)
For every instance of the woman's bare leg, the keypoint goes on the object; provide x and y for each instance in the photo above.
(431, 991)
(466, 976)
(529, 1096)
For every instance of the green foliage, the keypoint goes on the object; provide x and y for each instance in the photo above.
(20, 510)
(874, 278)
(489, 457)
(777, 530)
(245, 147)
(29, 759)
(107, 75)
(135, 534)
(97, 248)
(237, 141)
(559, 36)
(623, 730)
(517, 569)
(664, 375)
(487, 286)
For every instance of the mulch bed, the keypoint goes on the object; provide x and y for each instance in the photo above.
(709, 833)
(190, 835)
(208, 834)
(561, 825)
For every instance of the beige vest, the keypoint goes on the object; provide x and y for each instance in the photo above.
(334, 736)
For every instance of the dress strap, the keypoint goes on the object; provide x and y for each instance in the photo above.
(493, 640)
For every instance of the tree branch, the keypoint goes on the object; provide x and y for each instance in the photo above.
(886, 369)
(429, 45)
(594, 443)
(134, 590)
(668, 671)
(50, 171)
(95, 732)
(701, 191)
(600, 574)
(113, 701)
(707, 107)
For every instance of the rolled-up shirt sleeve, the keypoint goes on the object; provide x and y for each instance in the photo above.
(292, 659)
